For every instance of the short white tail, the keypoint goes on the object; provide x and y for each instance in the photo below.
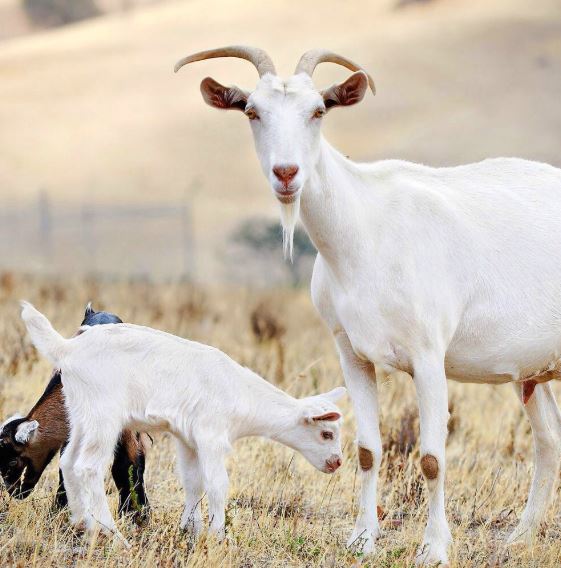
(47, 341)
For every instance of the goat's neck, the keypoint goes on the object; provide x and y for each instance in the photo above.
(329, 204)
(268, 411)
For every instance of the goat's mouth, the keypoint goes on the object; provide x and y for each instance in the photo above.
(20, 494)
(287, 196)
(17, 490)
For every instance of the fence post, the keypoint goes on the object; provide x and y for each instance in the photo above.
(45, 228)
(88, 237)
(188, 231)
(187, 242)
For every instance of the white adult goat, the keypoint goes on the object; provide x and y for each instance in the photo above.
(439, 272)
(118, 375)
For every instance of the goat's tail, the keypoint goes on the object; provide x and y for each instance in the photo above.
(47, 341)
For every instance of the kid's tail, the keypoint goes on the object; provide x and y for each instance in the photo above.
(47, 341)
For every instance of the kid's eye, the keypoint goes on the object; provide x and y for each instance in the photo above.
(318, 113)
(327, 435)
(13, 463)
(251, 114)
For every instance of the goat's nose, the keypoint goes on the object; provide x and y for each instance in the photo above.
(285, 173)
(333, 463)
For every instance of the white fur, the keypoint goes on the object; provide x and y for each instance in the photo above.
(289, 218)
(126, 376)
(440, 272)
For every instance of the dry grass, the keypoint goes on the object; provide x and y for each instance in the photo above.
(281, 512)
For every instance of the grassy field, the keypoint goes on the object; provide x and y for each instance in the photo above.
(281, 512)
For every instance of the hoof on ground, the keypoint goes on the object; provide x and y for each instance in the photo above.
(362, 541)
(103, 536)
(78, 526)
(432, 555)
(522, 536)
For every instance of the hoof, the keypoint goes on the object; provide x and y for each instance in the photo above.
(363, 540)
(432, 554)
(106, 535)
(115, 538)
(521, 536)
(218, 534)
(78, 526)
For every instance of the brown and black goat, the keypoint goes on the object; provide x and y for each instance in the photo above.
(28, 444)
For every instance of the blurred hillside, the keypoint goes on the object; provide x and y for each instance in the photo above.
(92, 113)
(20, 17)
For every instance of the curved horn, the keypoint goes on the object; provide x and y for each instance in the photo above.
(258, 57)
(312, 58)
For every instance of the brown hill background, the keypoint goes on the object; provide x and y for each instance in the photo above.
(93, 114)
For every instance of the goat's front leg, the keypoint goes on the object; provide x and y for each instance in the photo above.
(191, 479)
(432, 397)
(215, 483)
(71, 487)
(128, 474)
(61, 500)
(360, 379)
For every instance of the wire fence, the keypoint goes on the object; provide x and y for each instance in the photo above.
(149, 240)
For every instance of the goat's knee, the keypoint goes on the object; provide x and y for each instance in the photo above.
(369, 457)
(217, 489)
(84, 472)
(430, 467)
(365, 458)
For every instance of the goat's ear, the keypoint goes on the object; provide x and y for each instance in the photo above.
(347, 93)
(311, 415)
(25, 431)
(89, 310)
(336, 394)
(219, 96)
(327, 417)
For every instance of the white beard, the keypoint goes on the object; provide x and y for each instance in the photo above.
(289, 218)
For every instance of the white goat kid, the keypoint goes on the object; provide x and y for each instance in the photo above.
(123, 374)
(439, 272)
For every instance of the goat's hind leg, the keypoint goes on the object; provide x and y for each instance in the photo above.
(211, 455)
(545, 420)
(553, 409)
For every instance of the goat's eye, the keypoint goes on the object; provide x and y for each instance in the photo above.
(327, 435)
(251, 114)
(13, 463)
(318, 113)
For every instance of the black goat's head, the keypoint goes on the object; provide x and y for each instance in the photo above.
(21, 465)
(91, 317)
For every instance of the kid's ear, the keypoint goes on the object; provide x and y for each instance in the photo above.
(25, 431)
(336, 394)
(311, 416)
(219, 96)
(347, 93)
(327, 417)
